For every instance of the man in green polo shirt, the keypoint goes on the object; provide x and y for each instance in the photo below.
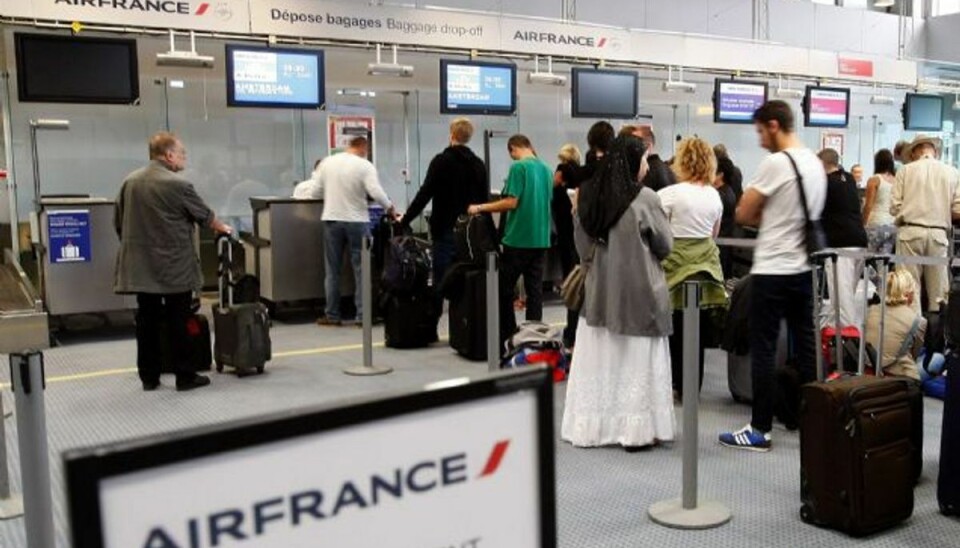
(526, 237)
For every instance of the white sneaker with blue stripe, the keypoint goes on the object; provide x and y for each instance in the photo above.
(746, 438)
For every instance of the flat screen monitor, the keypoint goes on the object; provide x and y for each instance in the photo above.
(477, 87)
(923, 112)
(274, 77)
(604, 94)
(826, 107)
(70, 69)
(454, 461)
(735, 101)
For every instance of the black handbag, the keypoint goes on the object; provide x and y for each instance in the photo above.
(814, 237)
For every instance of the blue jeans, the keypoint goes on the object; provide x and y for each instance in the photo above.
(338, 236)
(774, 298)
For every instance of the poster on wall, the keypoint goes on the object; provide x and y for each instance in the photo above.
(829, 139)
(341, 129)
(69, 236)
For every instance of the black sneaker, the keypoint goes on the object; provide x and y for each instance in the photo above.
(198, 381)
(151, 386)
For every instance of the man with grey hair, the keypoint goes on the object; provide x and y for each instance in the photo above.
(843, 227)
(925, 214)
(659, 175)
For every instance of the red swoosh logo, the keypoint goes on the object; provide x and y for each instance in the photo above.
(496, 458)
(202, 8)
(603, 41)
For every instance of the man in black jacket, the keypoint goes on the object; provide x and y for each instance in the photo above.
(455, 179)
(659, 175)
(843, 226)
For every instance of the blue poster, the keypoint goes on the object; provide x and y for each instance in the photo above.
(69, 236)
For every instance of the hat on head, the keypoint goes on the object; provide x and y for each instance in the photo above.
(907, 152)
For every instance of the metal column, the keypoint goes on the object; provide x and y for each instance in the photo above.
(493, 313)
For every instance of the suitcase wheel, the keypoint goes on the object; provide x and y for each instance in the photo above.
(806, 514)
(949, 510)
(260, 370)
(219, 367)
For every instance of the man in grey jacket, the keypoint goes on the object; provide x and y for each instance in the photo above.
(155, 216)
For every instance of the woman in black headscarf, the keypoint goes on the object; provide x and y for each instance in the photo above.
(619, 391)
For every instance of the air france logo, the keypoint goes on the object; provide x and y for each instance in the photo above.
(583, 40)
(172, 7)
(302, 508)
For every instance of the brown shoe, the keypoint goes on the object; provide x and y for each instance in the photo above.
(327, 322)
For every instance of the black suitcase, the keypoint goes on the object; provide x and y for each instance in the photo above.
(468, 317)
(409, 320)
(200, 354)
(948, 482)
(242, 331)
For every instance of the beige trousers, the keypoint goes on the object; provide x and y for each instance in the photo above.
(915, 241)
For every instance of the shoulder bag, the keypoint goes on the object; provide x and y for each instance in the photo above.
(814, 236)
(573, 291)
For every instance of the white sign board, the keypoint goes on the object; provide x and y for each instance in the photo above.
(213, 15)
(380, 24)
(468, 473)
(550, 38)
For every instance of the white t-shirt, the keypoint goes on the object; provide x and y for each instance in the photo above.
(694, 210)
(344, 181)
(304, 189)
(781, 245)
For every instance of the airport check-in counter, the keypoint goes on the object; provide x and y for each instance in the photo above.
(79, 246)
(288, 250)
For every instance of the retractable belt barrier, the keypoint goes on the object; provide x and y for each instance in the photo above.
(690, 512)
(863, 255)
(367, 369)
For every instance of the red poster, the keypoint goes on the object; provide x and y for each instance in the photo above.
(855, 67)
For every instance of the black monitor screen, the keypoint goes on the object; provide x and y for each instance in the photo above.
(604, 94)
(274, 77)
(69, 69)
(923, 112)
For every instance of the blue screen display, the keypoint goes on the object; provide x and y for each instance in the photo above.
(478, 87)
(261, 77)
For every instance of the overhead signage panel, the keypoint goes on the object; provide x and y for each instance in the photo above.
(381, 24)
(551, 38)
(212, 15)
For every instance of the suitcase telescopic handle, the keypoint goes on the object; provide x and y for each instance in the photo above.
(225, 268)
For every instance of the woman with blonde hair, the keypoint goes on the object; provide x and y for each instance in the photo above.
(694, 209)
(904, 327)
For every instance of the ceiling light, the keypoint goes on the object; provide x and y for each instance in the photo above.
(882, 100)
(356, 92)
(546, 78)
(884, 3)
(787, 92)
(179, 58)
(379, 68)
(678, 85)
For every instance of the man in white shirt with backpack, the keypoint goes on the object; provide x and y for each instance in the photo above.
(782, 286)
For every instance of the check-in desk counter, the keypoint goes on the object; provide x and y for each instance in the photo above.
(79, 246)
(288, 250)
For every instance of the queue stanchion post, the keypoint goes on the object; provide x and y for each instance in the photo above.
(689, 511)
(11, 506)
(493, 313)
(367, 369)
(29, 383)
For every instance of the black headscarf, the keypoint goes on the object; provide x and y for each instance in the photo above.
(606, 196)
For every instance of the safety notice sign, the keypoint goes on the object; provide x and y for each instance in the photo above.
(68, 233)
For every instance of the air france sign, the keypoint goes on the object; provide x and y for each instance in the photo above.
(214, 15)
(395, 483)
(564, 39)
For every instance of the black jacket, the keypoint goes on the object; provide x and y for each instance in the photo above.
(659, 175)
(456, 179)
(841, 218)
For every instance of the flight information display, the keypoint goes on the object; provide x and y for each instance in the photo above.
(471, 87)
(270, 77)
(735, 101)
(827, 107)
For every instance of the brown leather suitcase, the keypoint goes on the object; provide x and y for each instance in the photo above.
(857, 453)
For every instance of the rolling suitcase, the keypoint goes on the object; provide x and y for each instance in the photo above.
(948, 482)
(242, 331)
(409, 320)
(468, 317)
(858, 447)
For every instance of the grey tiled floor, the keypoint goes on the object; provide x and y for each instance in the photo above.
(603, 494)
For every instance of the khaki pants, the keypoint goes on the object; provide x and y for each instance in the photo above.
(915, 241)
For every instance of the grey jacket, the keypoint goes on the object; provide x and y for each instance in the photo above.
(155, 215)
(626, 291)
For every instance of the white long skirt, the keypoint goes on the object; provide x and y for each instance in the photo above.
(620, 390)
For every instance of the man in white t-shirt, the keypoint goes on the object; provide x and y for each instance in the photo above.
(782, 286)
(344, 181)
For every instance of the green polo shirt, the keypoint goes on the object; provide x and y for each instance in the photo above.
(531, 182)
